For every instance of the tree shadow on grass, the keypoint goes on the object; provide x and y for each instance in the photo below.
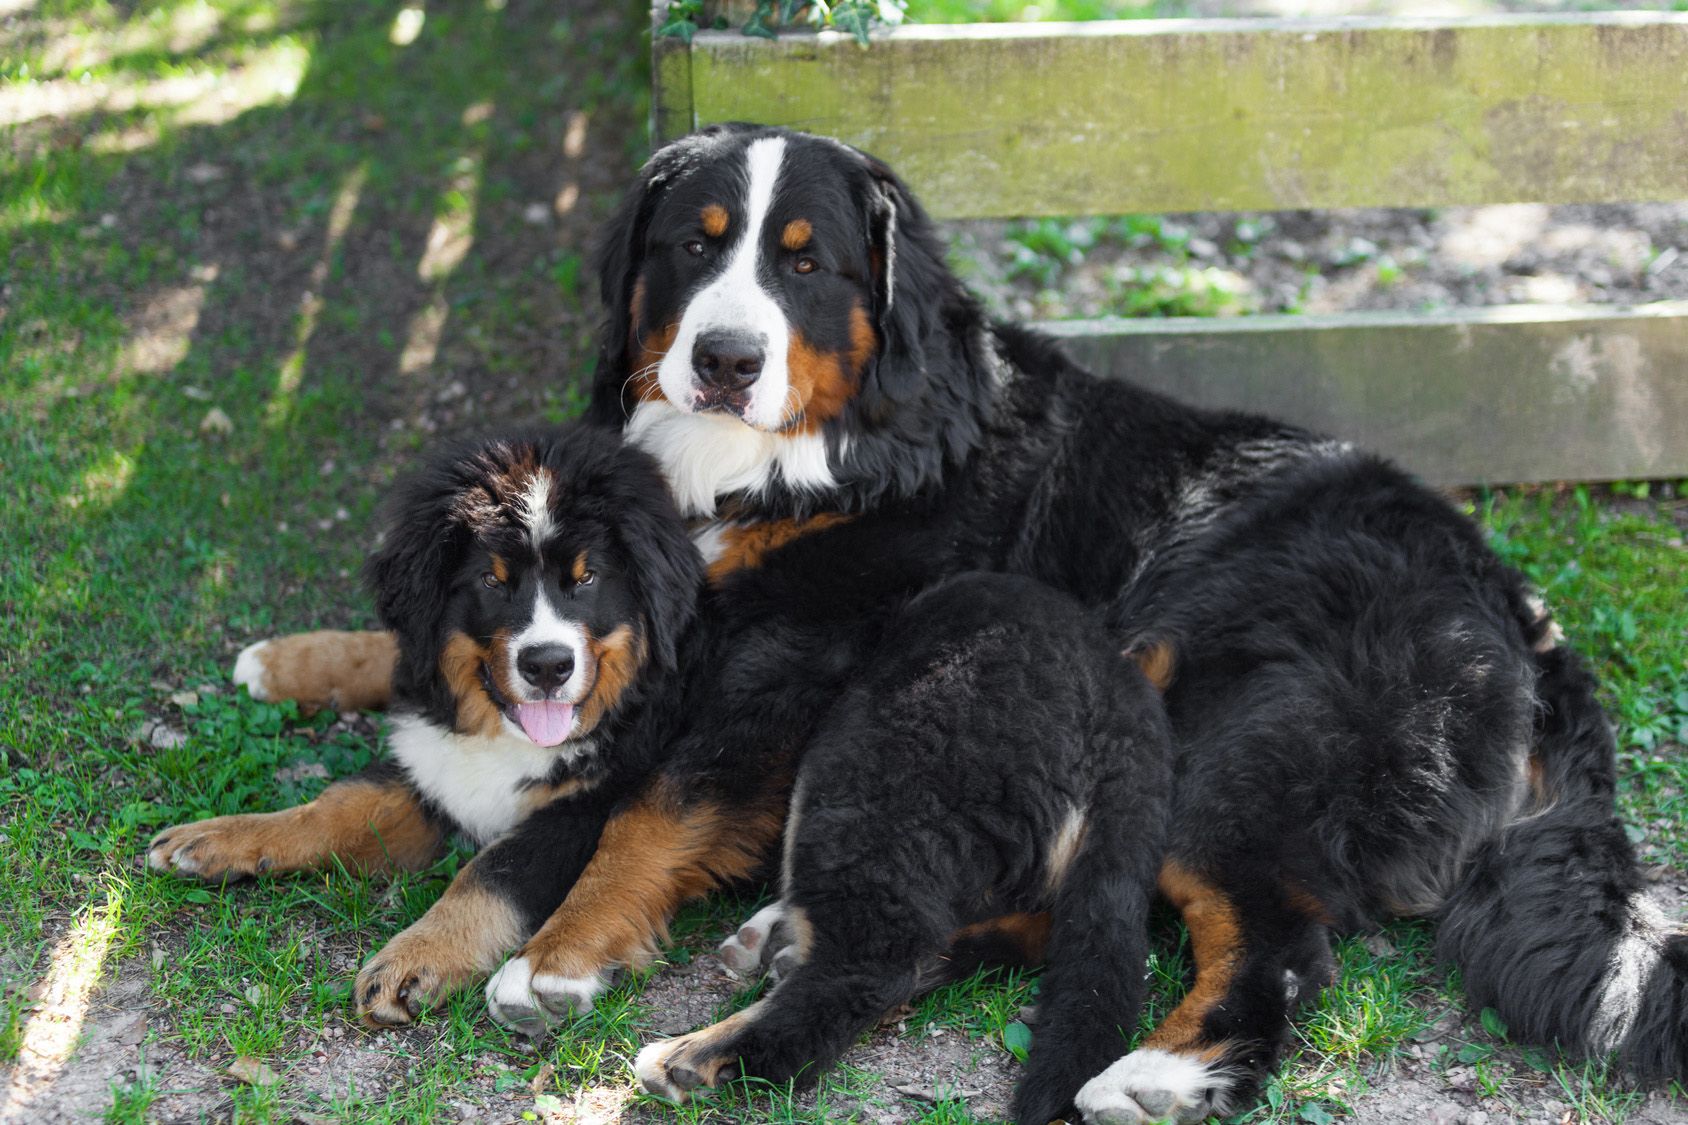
(218, 339)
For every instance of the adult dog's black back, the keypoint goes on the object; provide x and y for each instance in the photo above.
(1373, 719)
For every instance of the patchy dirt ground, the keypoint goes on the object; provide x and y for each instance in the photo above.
(505, 341)
(1333, 261)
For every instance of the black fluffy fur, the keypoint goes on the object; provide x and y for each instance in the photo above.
(1359, 694)
(934, 796)
(443, 522)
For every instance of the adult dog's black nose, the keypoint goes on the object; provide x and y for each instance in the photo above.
(545, 666)
(727, 360)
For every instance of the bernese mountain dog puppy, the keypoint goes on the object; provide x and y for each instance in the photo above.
(999, 755)
(538, 588)
(1372, 717)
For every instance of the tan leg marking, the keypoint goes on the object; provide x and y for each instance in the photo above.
(464, 935)
(1018, 940)
(1158, 662)
(1025, 935)
(367, 825)
(747, 545)
(1216, 939)
(651, 857)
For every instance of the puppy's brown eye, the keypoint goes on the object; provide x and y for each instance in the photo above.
(805, 265)
(693, 247)
(490, 581)
(586, 578)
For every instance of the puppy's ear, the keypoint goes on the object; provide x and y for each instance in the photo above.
(912, 283)
(411, 571)
(667, 570)
(618, 257)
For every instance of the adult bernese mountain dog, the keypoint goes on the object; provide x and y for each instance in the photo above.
(538, 588)
(1372, 717)
(999, 754)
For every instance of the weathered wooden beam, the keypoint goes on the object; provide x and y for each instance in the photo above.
(671, 78)
(1185, 115)
(1522, 393)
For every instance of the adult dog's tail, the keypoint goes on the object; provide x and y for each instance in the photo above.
(1551, 926)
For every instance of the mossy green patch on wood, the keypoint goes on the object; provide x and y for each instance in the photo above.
(1172, 115)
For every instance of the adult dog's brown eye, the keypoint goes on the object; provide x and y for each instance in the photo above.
(490, 581)
(806, 265)
(586, 578)
(693, 247)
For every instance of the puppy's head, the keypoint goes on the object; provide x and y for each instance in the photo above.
(780, 287)
(531, 581)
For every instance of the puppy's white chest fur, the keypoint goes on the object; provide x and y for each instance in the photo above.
(476, 780)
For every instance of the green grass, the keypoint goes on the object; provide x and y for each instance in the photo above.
(267, 247)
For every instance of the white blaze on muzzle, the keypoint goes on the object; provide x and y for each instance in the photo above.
(736, 304)
(548, 717)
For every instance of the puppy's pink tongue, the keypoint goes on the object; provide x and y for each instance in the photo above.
(546, 723)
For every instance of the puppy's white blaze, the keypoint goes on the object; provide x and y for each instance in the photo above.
(1634, 958)
(707, 456)
(535, 503)
(548, 627)
(475, 779)
(249, 670)
(1152, 1085)
(736, 301)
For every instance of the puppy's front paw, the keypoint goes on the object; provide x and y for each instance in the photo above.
(406, 977)
(224, 848)
(673, 1068)
(532, 1003)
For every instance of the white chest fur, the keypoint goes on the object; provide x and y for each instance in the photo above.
(478, 781)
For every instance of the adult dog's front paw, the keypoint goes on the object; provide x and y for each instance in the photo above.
(219, 849)
(532, 1002)
(1153, 1085)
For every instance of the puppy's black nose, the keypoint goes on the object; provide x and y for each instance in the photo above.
(727, 360)
(545, 666)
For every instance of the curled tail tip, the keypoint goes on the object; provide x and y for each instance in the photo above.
(1562, 940)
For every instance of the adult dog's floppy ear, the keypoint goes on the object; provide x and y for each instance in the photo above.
(911, 281)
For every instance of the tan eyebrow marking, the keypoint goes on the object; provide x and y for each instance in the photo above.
(500, 569)
(714, 220)
(796, 234)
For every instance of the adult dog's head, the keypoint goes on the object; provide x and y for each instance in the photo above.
(778, 308)
(531, 581)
